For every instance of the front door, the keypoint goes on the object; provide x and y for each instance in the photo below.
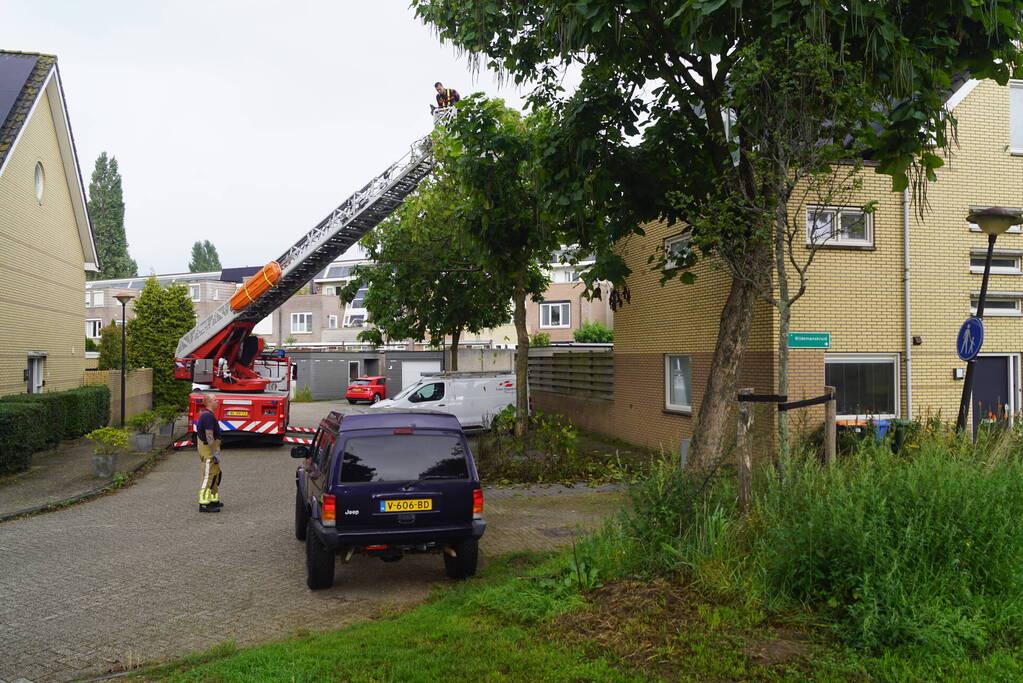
(991, 389)
(35, 375)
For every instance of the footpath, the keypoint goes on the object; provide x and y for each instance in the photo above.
(63, 475)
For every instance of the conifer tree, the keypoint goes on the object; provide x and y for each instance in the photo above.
(106, 210)
(110, 348)
(162, 316)
(204, 258)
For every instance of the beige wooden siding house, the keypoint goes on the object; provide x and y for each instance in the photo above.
(46, 240)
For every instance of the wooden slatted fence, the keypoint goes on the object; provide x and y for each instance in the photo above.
(584, 374)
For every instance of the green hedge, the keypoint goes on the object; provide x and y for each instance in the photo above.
(53, 416)
(20, 435)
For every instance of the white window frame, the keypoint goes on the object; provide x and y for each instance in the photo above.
(357, 323)
(98, 299)
(893, 358)
(669, 248)
(1015, 92)
(989, 312)
(216, 293)
(836, 238)
(668, 405)
(98, 324)
(195, 293)
(330, 290)
(331, 322)
(566, 321)
(1015, 254)
(299, 319)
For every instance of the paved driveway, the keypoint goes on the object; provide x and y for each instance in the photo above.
(140, 575)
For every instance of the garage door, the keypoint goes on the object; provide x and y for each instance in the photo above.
(414, 369)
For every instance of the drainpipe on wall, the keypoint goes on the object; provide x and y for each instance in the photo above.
(906, 304)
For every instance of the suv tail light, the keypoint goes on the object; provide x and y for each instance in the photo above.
(328, 511)
(477, 503)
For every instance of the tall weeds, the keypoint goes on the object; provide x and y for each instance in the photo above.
(921, 549)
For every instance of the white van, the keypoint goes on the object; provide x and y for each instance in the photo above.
(472, 397)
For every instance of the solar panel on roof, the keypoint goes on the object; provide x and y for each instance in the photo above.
(14, 71)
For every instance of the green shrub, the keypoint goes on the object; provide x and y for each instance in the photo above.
(56, 405)
(303, 395)
(108, 440)
(20, 435)
(540, 339)
(167, 413)
(548, 453)
(88, 409)
(143, 422)
(593, 332)
(90, 345)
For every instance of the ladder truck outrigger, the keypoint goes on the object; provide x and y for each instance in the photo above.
(220, 354)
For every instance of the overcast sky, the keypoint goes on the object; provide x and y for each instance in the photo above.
(241, 122)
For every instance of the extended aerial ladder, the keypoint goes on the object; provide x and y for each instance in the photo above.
(221, 354)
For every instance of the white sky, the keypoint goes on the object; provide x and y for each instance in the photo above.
(241, 122)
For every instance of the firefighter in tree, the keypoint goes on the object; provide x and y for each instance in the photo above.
(446, 97)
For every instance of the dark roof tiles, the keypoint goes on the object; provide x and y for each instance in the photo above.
(28, 82)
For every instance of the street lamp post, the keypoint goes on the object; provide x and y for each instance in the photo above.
(992, 221)
(124, 299)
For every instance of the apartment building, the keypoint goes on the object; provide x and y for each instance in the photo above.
(889, 290)
(47, 238)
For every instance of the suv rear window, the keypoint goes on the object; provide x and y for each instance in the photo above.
(361, 382)
(403, 457)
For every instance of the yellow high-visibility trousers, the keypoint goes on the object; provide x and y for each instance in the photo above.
(209, 482)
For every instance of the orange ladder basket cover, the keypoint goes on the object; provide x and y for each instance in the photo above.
(266, 278)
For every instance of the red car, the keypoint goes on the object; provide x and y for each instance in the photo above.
(370, 389)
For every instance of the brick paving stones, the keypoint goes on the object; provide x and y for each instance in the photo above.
(140, 575)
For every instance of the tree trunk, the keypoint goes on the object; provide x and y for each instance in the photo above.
(521, 356)
(454, 349)
(719, 395)
(784, 323)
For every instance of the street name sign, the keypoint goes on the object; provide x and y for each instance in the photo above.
(809, 340)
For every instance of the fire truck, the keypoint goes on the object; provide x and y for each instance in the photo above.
(221, 355)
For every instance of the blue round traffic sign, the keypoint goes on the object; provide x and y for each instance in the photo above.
(970, 339)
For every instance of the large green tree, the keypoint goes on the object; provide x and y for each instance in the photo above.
(491, 153)
(425, 280)
(110, 348)
(106, 211)
(655, 130)
(204, 258)
(162, 316)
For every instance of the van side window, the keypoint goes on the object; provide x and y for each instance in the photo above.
(428, 392)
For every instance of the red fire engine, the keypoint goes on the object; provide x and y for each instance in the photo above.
(221, 354)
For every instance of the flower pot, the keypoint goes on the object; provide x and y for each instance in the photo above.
(144, 442)
(103, 466)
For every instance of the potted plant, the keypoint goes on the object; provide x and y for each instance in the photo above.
(167, 414)
(143, 424)
(107, 442)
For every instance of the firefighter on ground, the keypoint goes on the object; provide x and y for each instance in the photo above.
(446, 97)
(207, 432)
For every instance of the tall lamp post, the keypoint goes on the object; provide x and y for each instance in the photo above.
(992, 221)
(124, 299)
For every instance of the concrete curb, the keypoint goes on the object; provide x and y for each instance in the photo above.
(78, 498)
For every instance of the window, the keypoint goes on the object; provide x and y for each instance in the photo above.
(93, 327)
(866, 385)
(355, 320)
(1003, 262)
(428, 392)
(678, 382)
(88, 299)
(93, 298)
(1004, 304)
(301, 323)
(330, 290)
(403, 457)
(331, 322)
(555, 314)
(193, 292)
(216, 293)
(1016, 117)
(842, 226)
(40, 181)
(360, 296)
(572, 276)
(676, 252)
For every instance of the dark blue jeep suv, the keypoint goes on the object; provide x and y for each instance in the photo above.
(385, 484)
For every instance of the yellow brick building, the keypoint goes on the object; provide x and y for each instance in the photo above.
(882, 330)
(46, 241)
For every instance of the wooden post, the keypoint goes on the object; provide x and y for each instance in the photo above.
(743, 452)
(830, 428)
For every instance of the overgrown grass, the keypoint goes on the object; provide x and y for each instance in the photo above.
(486, 629)
(921, 551)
